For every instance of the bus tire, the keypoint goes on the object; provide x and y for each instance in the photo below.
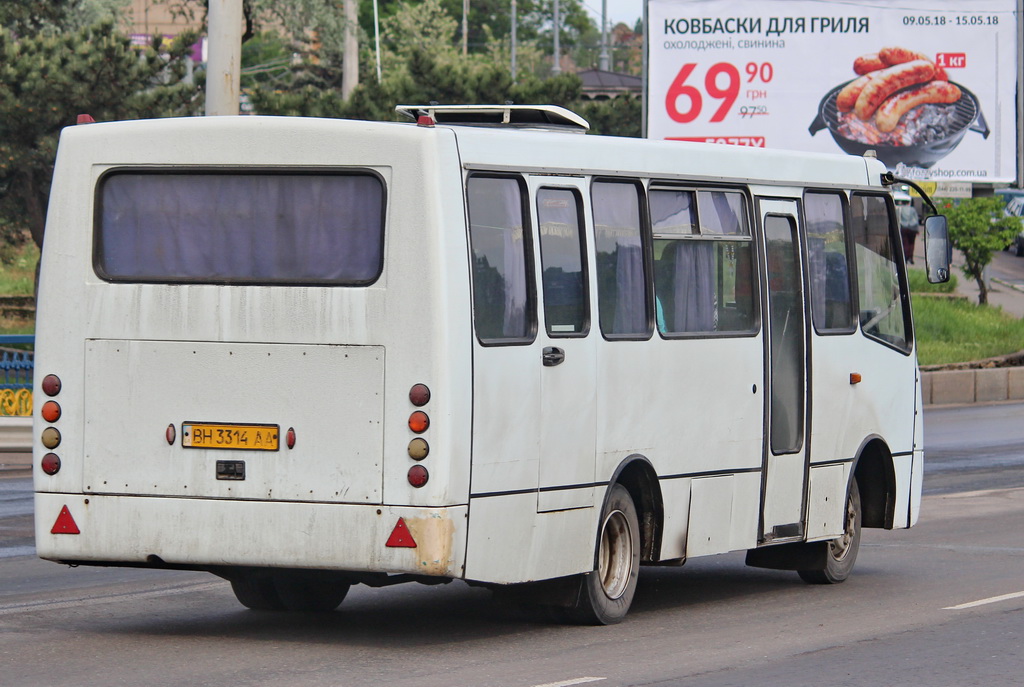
(606, 593)
(841, 553)
(305, 594)
(257, 592)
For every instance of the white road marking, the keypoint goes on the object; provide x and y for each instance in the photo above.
(982, 602)
(574, 681)
(107, 598)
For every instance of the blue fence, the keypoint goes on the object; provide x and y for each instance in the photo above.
(16, 368)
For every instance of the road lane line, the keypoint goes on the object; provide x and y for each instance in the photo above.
(7, 609)
(14, 551)
(574, 681)
(982, 602)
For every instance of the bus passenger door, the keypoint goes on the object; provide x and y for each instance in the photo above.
(784, 475)
(567, 349)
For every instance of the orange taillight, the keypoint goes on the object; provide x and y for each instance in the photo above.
(418, 422)
(51, 411)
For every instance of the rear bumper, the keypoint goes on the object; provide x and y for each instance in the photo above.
(211, 532)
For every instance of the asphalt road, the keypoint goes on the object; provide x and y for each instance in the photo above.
(940, 604)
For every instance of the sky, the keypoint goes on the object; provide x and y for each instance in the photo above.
(626, 11)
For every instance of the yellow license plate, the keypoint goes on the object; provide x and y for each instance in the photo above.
(230, 435)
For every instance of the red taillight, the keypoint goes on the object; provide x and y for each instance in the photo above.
(419, 395)
(289, 437)
(50, 464)
(51, 385)
(170, 434)
(51, 411)
(418, 422)
(418, 476)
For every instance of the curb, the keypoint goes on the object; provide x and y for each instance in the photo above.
(1009, 285)
(987, 385)
(15, 447)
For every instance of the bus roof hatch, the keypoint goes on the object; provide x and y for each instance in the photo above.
(546, 117)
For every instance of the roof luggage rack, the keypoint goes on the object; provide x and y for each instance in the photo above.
(544, 117)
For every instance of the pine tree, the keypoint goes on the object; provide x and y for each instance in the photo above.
(48, 78)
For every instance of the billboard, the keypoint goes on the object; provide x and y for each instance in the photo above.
(930, 86)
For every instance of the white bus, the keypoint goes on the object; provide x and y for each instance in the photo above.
(303, 354)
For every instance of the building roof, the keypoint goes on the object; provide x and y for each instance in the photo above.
(595, 79)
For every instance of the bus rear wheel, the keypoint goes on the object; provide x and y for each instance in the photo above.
(841, 553)
(606, 593)
(307, 594)
(257, 592)
(288, 592)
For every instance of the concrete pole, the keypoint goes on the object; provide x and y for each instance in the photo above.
(350, 58)
(376, 37)
(515, 21)
(643, 75)
(465, 27)
(556, 68)
(224, 57)
(602, 59)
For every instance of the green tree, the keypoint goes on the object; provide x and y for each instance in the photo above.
(978, 228)
(422, 63)
(619, 116)
(48, 78)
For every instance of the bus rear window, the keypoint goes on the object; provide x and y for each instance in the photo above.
(258, 228)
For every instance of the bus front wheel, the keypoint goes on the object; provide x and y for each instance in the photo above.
(841, 553)
(606, 593)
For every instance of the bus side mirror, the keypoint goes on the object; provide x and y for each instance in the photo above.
(937, 249)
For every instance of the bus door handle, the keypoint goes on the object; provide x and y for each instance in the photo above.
(553, 356)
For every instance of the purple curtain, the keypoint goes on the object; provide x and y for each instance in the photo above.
(243, 228)
(694, 309)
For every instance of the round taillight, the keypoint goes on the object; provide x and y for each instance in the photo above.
(418, 476)
(419, 394)
(51, 411)
(418, 448)
(50, 464)
(51, 385)
(418, 422)
(51, 437)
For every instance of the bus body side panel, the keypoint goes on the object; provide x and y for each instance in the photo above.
(917, 469)
(510, 542)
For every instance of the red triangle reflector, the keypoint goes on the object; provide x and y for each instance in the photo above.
(400, 536)
(65, 523)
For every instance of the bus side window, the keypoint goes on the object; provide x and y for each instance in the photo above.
(829, 263)
(563, 262)
(883, 309)
(704, 264)
(621, 278)
(503, 306)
